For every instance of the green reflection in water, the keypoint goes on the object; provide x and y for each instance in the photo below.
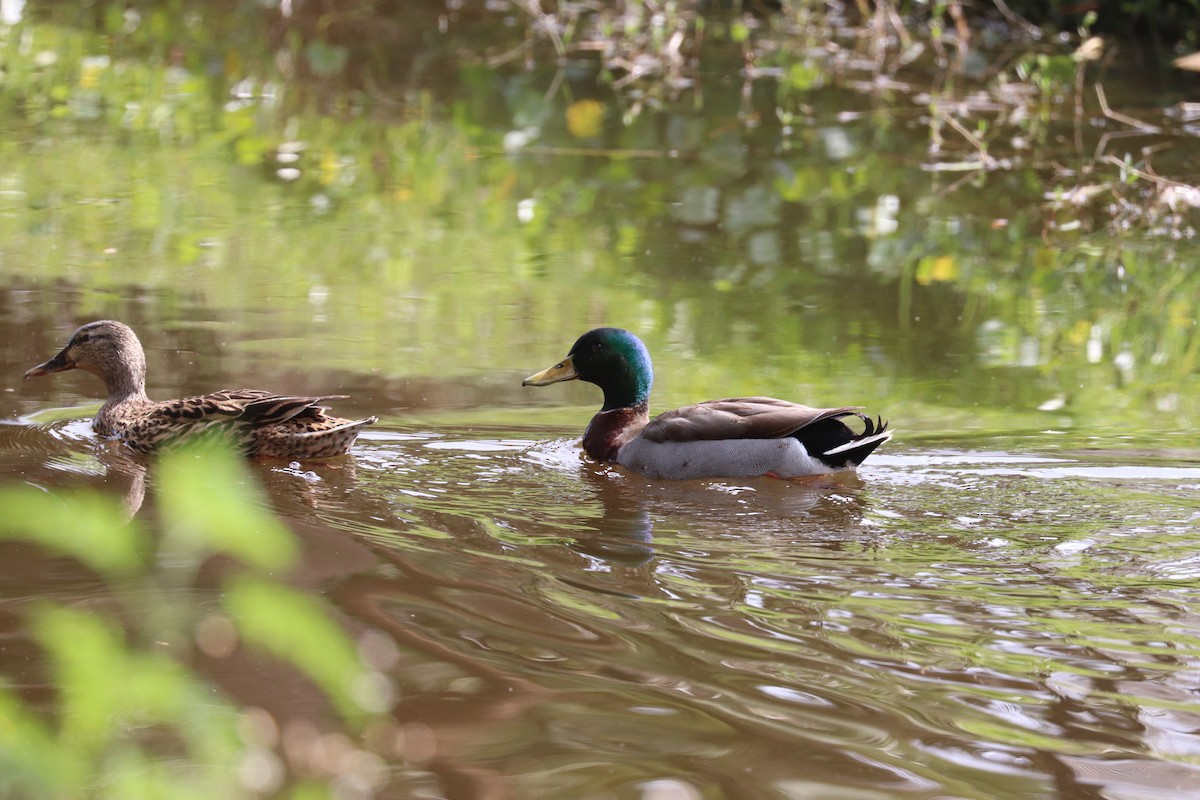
(422, 241)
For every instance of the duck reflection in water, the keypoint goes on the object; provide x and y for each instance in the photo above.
(488, 638)
(623, 534)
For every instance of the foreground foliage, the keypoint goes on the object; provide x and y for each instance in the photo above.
(122, 666)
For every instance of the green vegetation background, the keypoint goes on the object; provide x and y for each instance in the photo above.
(423, 205)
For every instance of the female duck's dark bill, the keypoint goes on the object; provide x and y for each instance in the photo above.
(60, 363)
(562, 371)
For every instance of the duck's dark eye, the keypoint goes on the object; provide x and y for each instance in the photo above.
(83, 338)
(597, 347)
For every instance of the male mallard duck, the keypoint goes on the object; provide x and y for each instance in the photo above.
(259, 423)
(737, 438)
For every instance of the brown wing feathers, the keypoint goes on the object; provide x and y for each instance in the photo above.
(258, 408)
(738, 418)
(275, 409)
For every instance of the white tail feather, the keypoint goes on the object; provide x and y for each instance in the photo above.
(857, 443)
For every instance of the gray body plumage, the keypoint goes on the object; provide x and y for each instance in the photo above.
(726, 458)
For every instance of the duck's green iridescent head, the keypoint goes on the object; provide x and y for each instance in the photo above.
(613, 359)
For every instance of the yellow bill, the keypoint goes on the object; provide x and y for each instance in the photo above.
(562, 371)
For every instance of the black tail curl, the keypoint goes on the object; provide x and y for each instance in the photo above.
(879, 426)
(831, 434)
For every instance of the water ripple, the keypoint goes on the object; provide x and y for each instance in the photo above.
(945, 621)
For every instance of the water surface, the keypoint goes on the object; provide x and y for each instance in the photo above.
(1001, 604)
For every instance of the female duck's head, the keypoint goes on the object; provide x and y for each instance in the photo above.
(105, 348)
(613, 359)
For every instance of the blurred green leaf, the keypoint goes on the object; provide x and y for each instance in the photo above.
(110, 694)
(209, 502)
(803, 76)
(123, 690)
(89, 527)
(309, 791)
(296, 628)
(134, 773)
(32, 762)
(104, 687)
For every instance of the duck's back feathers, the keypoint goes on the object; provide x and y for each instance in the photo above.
(315, 438)
(252, 406)
(747, 436)
(258, 422)
(737, 418)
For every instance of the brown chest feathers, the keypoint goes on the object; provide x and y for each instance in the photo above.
(608, 430)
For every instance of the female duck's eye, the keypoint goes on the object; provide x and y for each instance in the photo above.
(84, 338)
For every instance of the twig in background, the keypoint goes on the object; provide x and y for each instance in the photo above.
(962, 30)
(1153, 177)
(1140, 128)
(1090, 50)
(986, 161)
(1144, 127)
(1033, 31)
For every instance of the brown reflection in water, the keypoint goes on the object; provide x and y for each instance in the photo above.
(634, 634)
(1154, 725)
(30, 573)
(518, 657)
(623, 536)
(524, 657)
(432, 732)
(455, 722)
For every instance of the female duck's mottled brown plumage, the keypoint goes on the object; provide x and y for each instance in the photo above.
(259, 423)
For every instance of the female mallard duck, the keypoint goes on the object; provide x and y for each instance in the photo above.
(735, 438)
(259, 423)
